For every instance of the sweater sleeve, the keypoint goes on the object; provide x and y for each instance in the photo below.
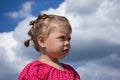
(31, 72)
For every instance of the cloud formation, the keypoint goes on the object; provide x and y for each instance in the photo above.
(95, 39)
(23, 13)
(94, 71)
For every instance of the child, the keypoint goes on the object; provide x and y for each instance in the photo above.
(51, 36)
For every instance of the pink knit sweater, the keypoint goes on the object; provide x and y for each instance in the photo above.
(37, 70)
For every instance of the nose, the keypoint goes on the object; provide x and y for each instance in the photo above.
(67, 43)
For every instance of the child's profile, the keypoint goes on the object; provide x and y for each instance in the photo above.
(51, 35)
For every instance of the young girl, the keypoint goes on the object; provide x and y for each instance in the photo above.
(51, 36)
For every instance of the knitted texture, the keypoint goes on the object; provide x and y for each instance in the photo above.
(37, 70)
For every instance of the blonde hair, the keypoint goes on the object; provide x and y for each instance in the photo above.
(41, 26)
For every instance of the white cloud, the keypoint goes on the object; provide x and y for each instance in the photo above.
(10, 60)
(99, 24)
(8, 42)
(94, 71)
(82, 7)
(23, 13)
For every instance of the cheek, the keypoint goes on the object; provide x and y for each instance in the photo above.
(54, 46)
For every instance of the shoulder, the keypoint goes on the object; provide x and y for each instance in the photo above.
(32, 70)
(32, 66)
(67, 66)
(72, 70)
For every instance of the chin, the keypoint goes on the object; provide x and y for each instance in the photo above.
(62, 57)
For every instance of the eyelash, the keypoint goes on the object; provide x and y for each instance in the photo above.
(63, 38)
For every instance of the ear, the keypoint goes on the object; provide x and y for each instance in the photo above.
(41, 41)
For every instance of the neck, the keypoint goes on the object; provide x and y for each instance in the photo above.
(49, 60)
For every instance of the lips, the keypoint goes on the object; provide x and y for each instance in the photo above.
(66, 50)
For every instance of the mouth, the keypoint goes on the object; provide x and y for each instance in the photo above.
(66, 50)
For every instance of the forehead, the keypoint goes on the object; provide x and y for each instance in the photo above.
(60, 26)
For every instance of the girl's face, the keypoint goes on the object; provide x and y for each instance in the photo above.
(57, 45)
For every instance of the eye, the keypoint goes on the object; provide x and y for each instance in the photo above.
(62, 38)
(69, 38)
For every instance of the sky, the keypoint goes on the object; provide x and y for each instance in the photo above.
(95, 50)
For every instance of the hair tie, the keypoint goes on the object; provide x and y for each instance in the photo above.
(32, 22)
(43, 16)
(27, 42)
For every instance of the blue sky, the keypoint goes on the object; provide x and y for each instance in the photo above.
(6, 6)
(95, 38)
